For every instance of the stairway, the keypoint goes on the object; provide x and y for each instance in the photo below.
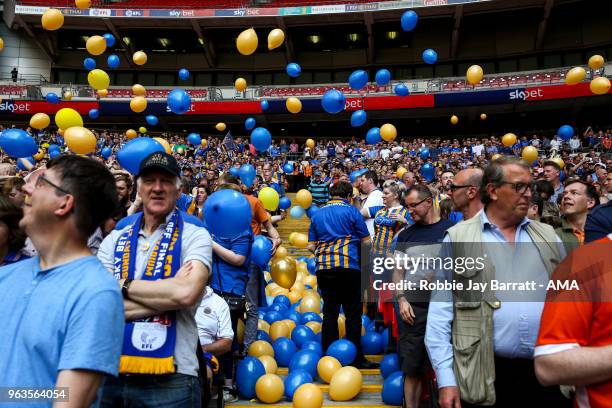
(289, 225)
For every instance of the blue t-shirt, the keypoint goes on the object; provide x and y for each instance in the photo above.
(233, 278)
(64, 318)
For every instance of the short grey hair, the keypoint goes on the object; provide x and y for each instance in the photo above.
(494, 174)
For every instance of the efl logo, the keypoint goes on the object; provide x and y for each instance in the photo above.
(15, 107)
(435, 3)
(133, 13)
(526, 95)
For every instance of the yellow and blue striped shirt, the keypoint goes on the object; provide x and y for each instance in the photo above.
(385, 228)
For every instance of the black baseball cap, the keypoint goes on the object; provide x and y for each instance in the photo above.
(160, 161)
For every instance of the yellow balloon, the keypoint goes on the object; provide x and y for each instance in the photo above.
(300, 240)
(302, 267)
(203, 143)
(130, 134)
(284, 272)
(294, 296)
(275, 38)
(139, 90)
(310, 143)
(102, 93)
(600, 85)
(474, 74)
(247, 42)
(308, 396)
(240, 84)
(575, 76)
(454, 119)
(82, 4)
(60, 131)
(98, 79)
(291, 236)
(261, 348)
(496, 156)
(314, 326)
(559, 161)
(310, 280)
(278, 329)
(298, 287)
(310, 303)
(294, 105)
(39, 155)
(240, 331)
(220, 126)
(139, 58)
(52, 19)
(80, 140)
(483, 116)
(67, 95)
(269, 198)
(164, 143)
(327, 366)
(1, 43)
(303, 198)
(96, 45)
(290, 324)
(263, 325)
(269, 388)
(388, 132)
(596, 62)
(40, 121)
(269, 364)
(138, 104)
(529, 154)
(399, 173)
(68, 117)
(142, 130)
(509, 139)
(281, 252)
(345, 384)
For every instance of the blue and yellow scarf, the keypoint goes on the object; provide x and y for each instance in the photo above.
(148, 344)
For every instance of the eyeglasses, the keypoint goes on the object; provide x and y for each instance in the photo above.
(42, 178)
(454, 187)
(520, 188)
(415, 205)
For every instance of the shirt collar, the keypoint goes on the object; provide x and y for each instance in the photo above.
(161, 227)
(486, 223)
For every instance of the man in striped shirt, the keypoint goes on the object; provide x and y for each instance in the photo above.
(319, 189)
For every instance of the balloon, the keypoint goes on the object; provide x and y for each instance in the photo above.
(262, 335)
(247, 373)
(275, 38)
(383, 76)
(430, 56)
(559, 161)
(296, 212)
(496, 156)
(294, 379)
(345, 384)
(388, 132)
(227, 213)
(389, 364)
(183, 74)
(333, 101)
(110, 39)
(139, 58)
(106, 152)
(313, 345)
(424, 153)
(261, 139)
(261, 251)
(269, 198)
(373, 136)
(310, 143)
(575, 76)
(293, 70)
(40, 121)
(250, 123)
(130, 134)
(308, 396)
(284, 349)
(17, 143)
(179, 101)
(52, 19)
(312, 265)
(247, 42)
(52, 97)
(272, 317)
(454, 120)
(89, 63)
(310, 212)
(358, 118)
(269, 388)
(301, 334)
(247, 174)
(138, 104)
(474, 74)
(303, 198)
(98, 79)
(283, 300)
(269, 363)
(284, 203)
(67, 95)
(82, 4)
(428, 172)
(294, 105)
(283, 272)
(483, 116)
(327, 367)
(600, 85)
(263, 325)
(358, 79)
(94, 114)
(596, 62)
(409, 20)
(152, 120)
(264, 105)
(566, 132)
(288, 168)
(529, 154)
(139, 90)
(142, 130)
(311, 302)
(134, 151)
(509, 139)
(95, 45)
(203, 143)
(393, 389)
(305, 360)
(102, 93)
(261, 348)
(68, 117)
(402, 90)
(240, 84)
(371, 343)
(194, 139)
(112, 61)
(80, 140)
(279, 329)
(1, 43)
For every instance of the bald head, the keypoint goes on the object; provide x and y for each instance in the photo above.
(464, 191)
(472, 177)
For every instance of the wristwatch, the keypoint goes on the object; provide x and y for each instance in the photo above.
(125, 287)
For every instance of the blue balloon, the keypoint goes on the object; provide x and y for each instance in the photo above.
(358, 118)
(281, 299)
(371, 343)
(293, 315)
(305, 360)
(106, 152)
(113, 61)
(409, 20)
(383, 76)
(54, 153)
(294, 70)
(315, 346)
(393, 389)
(183, 74)
(249, 123)
(296, 212)
(261, 251)
(333, 101)
(373, 136)
(227, 214)
(424, 153)
(152, 120)
(428, 172)
(312, 210)
(261, 139)
(247, 373)
(179, 101)
(18, 143)
(312, 265)
(293, 381)
(389, 364)
(94, 113)
(302, 259)
(109, 39)
(21, 166)
(262, 335)
(234, 171)
(284, 349)
(53, 147)
(194, 139)
(566, 132)
(264, 105)
(247, 174)
(288, 168)
(365, 321)
(52, 97)
(134, 151)
(402, 90)
(279, 307)
(358, 79)
(273, 316)
(343, 350)
(284, 203)
(89, 64)
(302, 334)
(430, 56)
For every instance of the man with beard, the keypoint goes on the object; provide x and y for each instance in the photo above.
(123, 183)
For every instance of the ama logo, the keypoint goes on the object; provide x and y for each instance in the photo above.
(526, 95)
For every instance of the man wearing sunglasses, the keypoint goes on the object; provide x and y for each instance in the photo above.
(464, 190)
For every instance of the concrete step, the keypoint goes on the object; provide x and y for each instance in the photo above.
(363, 400)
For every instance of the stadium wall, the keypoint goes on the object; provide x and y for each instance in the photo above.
(21, 52)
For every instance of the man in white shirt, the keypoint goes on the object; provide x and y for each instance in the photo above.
(385, 153)
(369, 186)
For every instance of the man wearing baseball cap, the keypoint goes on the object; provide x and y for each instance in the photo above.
(162, 262)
